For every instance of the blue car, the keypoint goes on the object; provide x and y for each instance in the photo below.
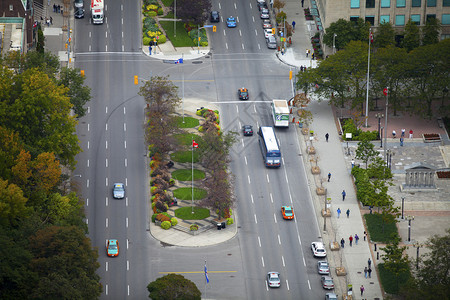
(231, 22)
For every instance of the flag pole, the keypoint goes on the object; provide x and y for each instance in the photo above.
(205, 279)
(192, 177)
(385, 125)
(368, 69)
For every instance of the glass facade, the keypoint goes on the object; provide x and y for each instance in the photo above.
(416, 3)
(401, 3)
(445, 19)
(415, 19)
(431, 3)
(384, 19)
(354, 3)
(370, 3)
(400, 20)
(385, 3)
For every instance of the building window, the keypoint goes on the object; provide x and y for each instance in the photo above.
(445, 36)
(416, 3)
(384, 19)
(370, 19)
(354, 3)
(429, 17)
(445, 19)
(11, 8)
(385, 3)
(354, 18)
(400, 20)
(370, 3)
(415, 19)
(445, 2)
(401, 3)
(431, 3)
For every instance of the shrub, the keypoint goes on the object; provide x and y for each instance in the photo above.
(167, 215)
(174, 221)
(162, 217)
(200, 128)
(230, 221)
(193, 227)
(166, 225)
(162, 39)
(160, 11)
(152, 13)
(146, 41)
(172, 182)
(153, 189)
(154, 217)
(160, 206)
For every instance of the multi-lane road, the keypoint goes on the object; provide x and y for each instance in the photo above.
(112, 138)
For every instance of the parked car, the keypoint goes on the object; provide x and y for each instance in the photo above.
(331, 296)
(78, 13)
(268, 32)
(266, 24)
(264, 13)
(327, 282)
(318, 249)
(271, 42)
(214, 18)
(323, 268)
(78, 3)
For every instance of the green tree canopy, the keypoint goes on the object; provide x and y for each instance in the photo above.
(173, 287)
(411, 39)
(366, 151)
(193, 11)
(78, 93)
(346, 31)
(431, 32)
(385, 35)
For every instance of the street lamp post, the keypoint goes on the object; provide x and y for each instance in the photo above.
(334, 43)
(379, 116)
(403, 203)
(381, 139)
(409, 218)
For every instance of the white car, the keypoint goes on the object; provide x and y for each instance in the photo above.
(318, 249)
(273, 279)
(265, 13)
(267, 32)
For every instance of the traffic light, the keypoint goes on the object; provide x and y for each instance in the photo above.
(199, 39)
(136, 80)
(273, 30)
(214, 28)
(290, 75)
(82, 73)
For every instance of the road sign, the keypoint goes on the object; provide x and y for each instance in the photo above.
(208, 26)
(385, 91)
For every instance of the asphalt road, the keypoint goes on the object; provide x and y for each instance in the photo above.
(112, 139)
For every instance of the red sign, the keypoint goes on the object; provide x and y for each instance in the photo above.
(194, 144)
(385, 91)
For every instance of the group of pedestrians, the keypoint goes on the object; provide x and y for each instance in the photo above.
(350, 239)
(339, 212)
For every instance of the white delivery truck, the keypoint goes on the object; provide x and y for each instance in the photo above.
(97, 11)
(280, 113)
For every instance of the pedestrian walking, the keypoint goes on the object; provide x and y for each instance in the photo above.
(353, 163)
(410, 133)
(307, 52)
(339, 212)
(329, 177)
(351, 240)
(361, 289)
(293, 25)
(401, 142)
(304, 69)
(348, 213)
(303, 1)
(365, 235)
(150, 49)
(369, 262)
(343, 195)
(54, 7)
(312, 56)
(393, 133)
(51, 20)
(342, 243)
(365, 272)
(403, 132)
(356, 239)
(58, 8)
(301, 68)
(327, 136)
(369, 271)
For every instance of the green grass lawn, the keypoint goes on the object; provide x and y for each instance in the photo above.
(185, 213)
(186, 174)
(186, 138)
(182, 39)
(184, 156)
(189, 122)
(390, 282)
(167, 3)
(377, 231)
(185, 193)
(169, 16)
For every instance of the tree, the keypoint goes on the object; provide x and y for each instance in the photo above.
(12, 204)
(172, 287)
(193, 11)
(431, 32)
(66, 264)
(366, 151)
(385, 35)
(393, 258)
(44, 61)
(411, 39)
(278, 4)
(37, 109)
(78, 93)
(346, 31)
(10, 148)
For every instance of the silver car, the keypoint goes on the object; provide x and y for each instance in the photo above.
(118, 191)
(331, 296)
(323, 268)
(264, 13)
(271, 42)
(273, 279)
(327, 282)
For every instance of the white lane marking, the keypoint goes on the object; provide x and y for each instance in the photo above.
(242, 142)
(106, 34)
(126, 201)
(125, 144)
(106, 223)
(128, 265)
(123, 47)
(106, 126)
(237, 18)
(237, 109)
(106, 48)
(256, 32)
(253, 17)
(106, 289)
(249, 181)
(122, 31)
(271, 198)
(87, 221)
(287, 284)
(240, 124)
(124, 126)
(262, 260)
(267, 287)
(128, 287)
(126, 162)
(279, 240)
(251, 196)
(267, 175)
(226, 45)
(87, 183)
(290, 196)
(124, 110)
(275, 217)
(309, 284)
(299, 241)
(235, 6)
(126, 221)
(88, 145)
(256, 220)
(90, 48)
(106, 162)
(106, 201)
(243, 47)
(89, 126)
(224, 33)
(245, 158)
(279, 142)
(106, 144)
(87, 201)
(257, 124)
(89, 110)
(240, 32)
(259, 46)
(254, 107)
(259, 241)
(106, 266)
(90, 33)
(106, 181)
(106, 109)
(282, 258)
(220, 7)
(88, 163)
(126, 181)
(127, 243)
(304, 261)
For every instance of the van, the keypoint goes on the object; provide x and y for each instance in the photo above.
(271, 42)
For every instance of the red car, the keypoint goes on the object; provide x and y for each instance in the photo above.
(287, 212)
